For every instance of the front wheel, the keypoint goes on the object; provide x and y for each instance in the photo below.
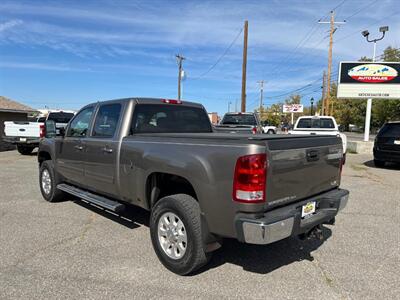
(24, 150)
(175, 229)
(48, 183)
(379, 163)
(270, 131)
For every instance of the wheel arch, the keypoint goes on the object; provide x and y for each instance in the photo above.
(161, 184)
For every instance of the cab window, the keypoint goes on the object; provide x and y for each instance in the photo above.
(80, 124)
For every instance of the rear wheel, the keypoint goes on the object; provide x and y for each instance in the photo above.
(270, 131)
(25, 150)
(175, 229)
(48, 183)
(379, 163)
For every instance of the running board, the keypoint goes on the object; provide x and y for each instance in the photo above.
(92, 198)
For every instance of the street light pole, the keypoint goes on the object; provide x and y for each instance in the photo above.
(312, 106)
(365, 33)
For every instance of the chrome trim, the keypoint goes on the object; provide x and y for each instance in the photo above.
(260, 233)
(343, 202)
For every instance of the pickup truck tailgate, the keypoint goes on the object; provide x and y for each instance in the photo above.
(302, 167)
(22, 129)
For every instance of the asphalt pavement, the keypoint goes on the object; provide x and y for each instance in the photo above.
(72, 250)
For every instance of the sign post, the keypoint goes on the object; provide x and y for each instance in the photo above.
(369, 80)
(292, 108)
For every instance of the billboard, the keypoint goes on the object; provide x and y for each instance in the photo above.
(292, 108)
(364, 80)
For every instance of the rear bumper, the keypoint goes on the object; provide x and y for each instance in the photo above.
(387, 155)
(286, 221)
(25, 140)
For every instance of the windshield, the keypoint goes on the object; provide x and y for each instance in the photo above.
(60, 117)
(239, 119)
(324, 123)
(390, 130)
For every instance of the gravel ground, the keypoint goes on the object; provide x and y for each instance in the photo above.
(73, 250)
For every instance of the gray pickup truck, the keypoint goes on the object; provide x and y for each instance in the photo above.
(200, 186)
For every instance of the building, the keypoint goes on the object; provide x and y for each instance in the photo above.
(11, 111)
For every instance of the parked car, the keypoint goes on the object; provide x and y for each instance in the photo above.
(26, 135)
(246, 122)
(199, 185)
(268, 128)
(387, 144)
(319, 125)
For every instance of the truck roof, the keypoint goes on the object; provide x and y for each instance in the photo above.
(144, 100)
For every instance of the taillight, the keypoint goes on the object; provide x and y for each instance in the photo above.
(254, 130)
(169, 101)
(250, 177)
(42, 131)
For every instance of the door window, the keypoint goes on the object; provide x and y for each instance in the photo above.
(106, 121)
(80, 124)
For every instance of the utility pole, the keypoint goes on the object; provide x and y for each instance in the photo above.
(261, 82)
(244, 66)
(179, 59)
(229, 106)
(236, 101)
(328, 82)
(323, 94)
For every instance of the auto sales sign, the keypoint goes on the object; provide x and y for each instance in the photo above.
(369, 80)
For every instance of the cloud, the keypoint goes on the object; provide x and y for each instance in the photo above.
(9, 24)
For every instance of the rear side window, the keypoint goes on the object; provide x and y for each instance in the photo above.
(154, 118)
(60, 117)
(106, 121)
(324, 123)
(390, 130)
(239, 119)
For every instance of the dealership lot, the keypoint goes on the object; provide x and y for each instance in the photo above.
(73, 250)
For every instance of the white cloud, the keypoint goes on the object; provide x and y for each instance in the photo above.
(9, 24)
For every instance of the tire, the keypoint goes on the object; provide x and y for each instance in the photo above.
(48, 183)
(24, 150)
(182, 257)
(379, 163)
(270, 131)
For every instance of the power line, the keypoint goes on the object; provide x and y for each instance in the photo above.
(220, 58)
(362, 28)
(361, 9)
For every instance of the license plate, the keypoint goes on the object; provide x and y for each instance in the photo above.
(308, 209)
(22, 139)
(397, 142)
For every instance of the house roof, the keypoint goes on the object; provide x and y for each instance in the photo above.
(8, 105)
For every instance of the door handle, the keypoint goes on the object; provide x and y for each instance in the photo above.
(107, 150)
(78, 147)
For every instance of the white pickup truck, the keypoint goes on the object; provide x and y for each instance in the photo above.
(319, 125)
(26, 135)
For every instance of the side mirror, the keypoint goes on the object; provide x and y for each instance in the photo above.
(50, 127)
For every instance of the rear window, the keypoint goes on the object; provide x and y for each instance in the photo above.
(239, 119)
(390, 130)
(60, 117)
(324, 123)
(154, 118)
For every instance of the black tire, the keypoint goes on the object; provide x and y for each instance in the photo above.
(270, 131)
(379, 163)
(54, 194)
(187, 210)
(25, 150)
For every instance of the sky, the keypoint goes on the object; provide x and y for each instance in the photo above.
(65, 54)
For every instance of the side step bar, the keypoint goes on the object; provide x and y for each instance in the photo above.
(92, 198)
